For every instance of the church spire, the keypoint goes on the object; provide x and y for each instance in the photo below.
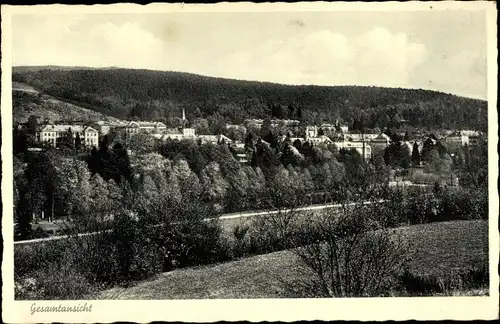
(183, 115)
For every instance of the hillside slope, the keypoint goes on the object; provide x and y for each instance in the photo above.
(437, 249)
(154, 94)
(27, 101)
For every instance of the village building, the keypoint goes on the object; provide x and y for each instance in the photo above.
(52, 132)
(379, 143)
(213, 139)
(257, 123)
(241, 154)
(135, 127)
(104, 127)
(456, 140)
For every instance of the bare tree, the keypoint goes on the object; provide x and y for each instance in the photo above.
(350, 255)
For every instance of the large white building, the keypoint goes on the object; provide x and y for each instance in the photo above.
(135, 127)
(51, 133)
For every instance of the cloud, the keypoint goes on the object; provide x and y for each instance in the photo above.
(303, 54)
(463, 72)
(324, 57)
(63, 41)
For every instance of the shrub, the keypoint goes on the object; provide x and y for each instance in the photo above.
(193, 244)
(31, 257)
(241, 242)
(56, 281)
(444, 283)
(351, 257)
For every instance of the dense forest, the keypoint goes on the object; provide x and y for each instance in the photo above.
(144, 94)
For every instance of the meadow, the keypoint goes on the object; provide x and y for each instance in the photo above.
(444, 256)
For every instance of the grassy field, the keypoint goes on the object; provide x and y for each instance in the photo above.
(437, 249)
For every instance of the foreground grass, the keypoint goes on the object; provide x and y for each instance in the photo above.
(438, 249)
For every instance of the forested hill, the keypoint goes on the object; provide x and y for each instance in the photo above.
(149, 94)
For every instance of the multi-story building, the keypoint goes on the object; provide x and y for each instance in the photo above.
(456, 141)
(379, 143)
(51, 133)
(257, 123)
(214, 139)
(135, 127)
(105, 127)
(311, 131)
(176, 134)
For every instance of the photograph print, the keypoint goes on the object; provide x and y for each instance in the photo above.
(201, 153)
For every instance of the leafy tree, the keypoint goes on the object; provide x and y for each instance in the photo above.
(273, 139)
(78, 142)
(291, 111)
(214, 185)
(147, 200)
(249, 141)
(299, 113)
(437, 164)
(189, 183)
(415, 155)
(298, 144)
(41, 177)
(428, 146)
(236, 197)
(67, 141)
(32, 125)
(291, 156)
(266, 127)
(121, 162)
(266, 159)
(142, 143)
(20, 141)
(397, 154)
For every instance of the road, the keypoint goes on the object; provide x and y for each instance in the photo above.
(223, 217)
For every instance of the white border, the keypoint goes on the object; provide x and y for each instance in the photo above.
(435, 308)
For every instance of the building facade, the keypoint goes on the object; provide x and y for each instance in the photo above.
(135, 127)
(51, 133)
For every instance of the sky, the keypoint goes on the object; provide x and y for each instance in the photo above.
(437, 50)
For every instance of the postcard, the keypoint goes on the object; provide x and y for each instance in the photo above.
(250, 162)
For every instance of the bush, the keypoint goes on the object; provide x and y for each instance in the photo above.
(55, 281)
(193, 244)
(351, 257)
(444, 283)
(31, 257)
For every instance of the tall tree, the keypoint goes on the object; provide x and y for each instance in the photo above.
(249, 141)
(214, 185)
(415, 155)
(32, 125)
(299, 113)
(291, 111)
(78, 142)
(67, 141)
(266, 127)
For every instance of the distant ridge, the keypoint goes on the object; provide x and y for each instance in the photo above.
(122, 93)
(34, 68)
